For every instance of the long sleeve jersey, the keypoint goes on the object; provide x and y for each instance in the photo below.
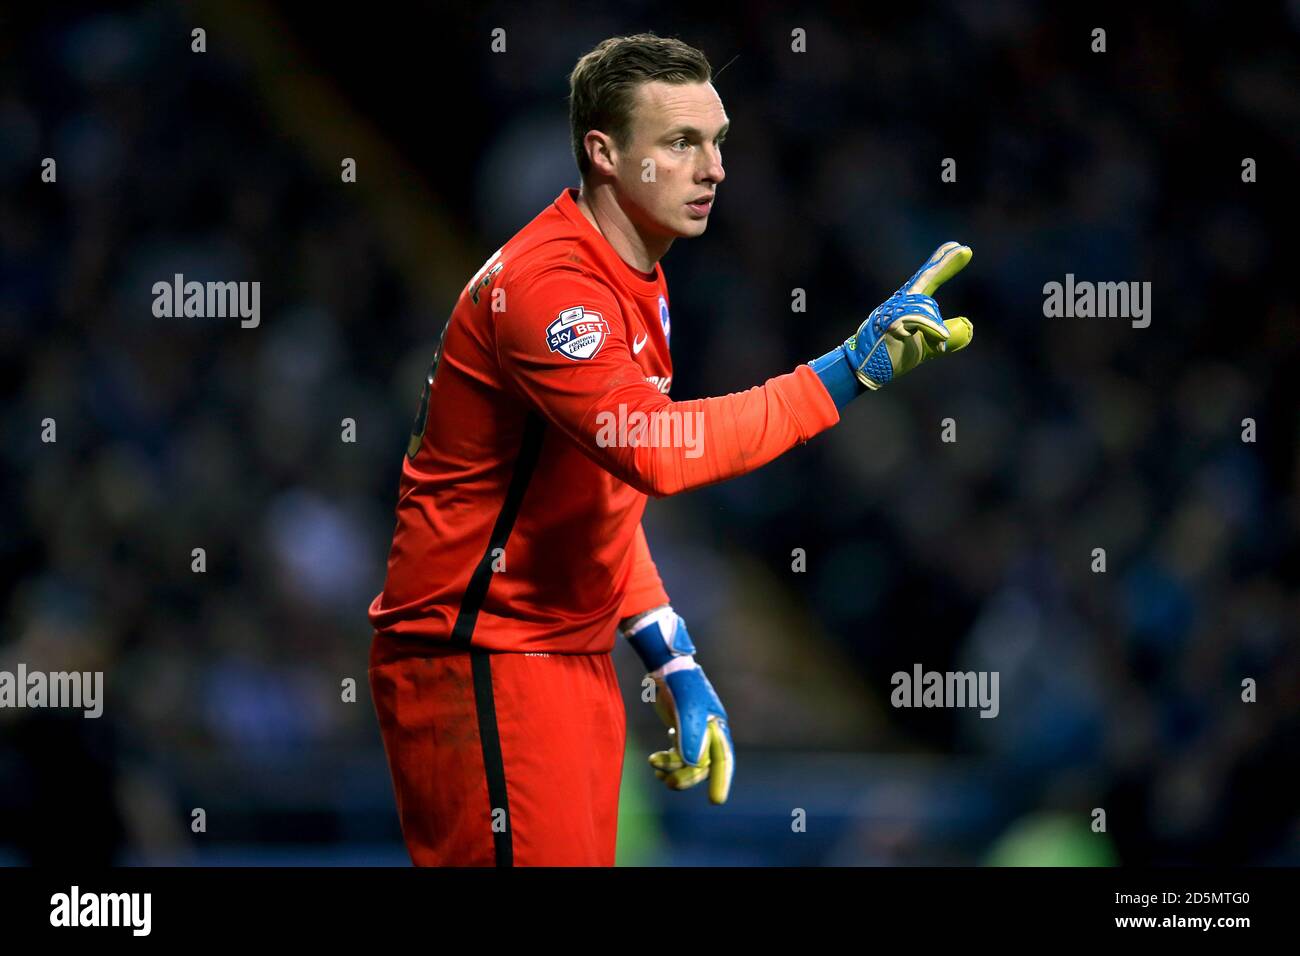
(544, 425)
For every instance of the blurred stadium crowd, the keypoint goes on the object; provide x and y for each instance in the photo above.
(1119, 690)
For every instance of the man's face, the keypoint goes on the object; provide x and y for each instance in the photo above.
(673, 158)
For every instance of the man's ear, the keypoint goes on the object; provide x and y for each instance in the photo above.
(600, 151)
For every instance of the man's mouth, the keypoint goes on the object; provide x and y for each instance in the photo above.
(701, 204)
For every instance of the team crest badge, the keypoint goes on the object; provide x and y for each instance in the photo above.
(577, 333)
(663, 317)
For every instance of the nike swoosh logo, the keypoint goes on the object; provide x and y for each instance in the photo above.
(638, 345)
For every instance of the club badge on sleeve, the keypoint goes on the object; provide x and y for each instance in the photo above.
(577, 333)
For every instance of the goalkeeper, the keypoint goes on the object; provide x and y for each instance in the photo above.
(518, 553)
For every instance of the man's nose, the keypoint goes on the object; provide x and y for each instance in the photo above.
(712, 166)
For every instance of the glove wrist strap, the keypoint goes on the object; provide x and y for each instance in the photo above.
(838, 376)
(659, 638)
(685, 662)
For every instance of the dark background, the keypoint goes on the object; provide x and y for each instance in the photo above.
(1119, 691)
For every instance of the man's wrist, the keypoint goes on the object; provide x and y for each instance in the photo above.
(658, 637)
(683, 662)
(628, 623)
(838, 377)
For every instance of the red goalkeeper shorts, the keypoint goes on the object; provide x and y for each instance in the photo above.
(502, 759)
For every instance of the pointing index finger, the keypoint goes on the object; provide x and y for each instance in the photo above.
(949, 259)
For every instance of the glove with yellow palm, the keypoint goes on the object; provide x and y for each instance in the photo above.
(900, 333)
(701, 745)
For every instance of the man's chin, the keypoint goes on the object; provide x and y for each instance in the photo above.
(693, 227)
(684, 227)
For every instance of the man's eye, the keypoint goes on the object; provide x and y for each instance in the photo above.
(679, 142)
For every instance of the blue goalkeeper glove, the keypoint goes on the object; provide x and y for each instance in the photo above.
(687, 704)
(901, 333)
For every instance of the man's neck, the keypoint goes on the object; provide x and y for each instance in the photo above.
(601, 208)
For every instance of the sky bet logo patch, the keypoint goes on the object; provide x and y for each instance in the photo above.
(577, 334)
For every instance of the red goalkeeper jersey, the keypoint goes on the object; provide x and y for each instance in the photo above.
(544, 425)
